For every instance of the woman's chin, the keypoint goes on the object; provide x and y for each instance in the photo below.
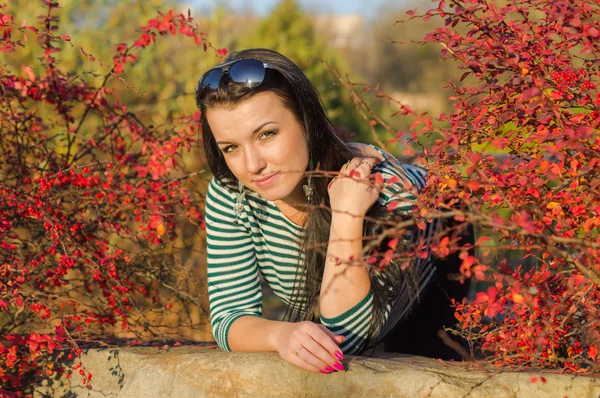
(271, 195)
(280, 189)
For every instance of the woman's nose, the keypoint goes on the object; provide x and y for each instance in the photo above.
(254, 161)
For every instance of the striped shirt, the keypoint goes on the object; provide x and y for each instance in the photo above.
(265, 242)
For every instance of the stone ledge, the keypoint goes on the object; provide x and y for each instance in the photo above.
(183, 372)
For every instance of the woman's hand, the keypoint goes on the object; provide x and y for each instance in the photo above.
(351, 192)
(310, 346)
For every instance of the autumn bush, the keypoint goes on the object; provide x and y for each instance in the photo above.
(92, 194)
(92, 198)
(521, 148)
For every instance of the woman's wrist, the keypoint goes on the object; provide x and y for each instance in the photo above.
(251, 333)
(346, 226)
(279, 329)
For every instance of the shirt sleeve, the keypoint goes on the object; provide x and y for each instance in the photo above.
(233, 283)
(406, 182)
(353, 325)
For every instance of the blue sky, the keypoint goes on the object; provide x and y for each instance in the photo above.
(367, 8)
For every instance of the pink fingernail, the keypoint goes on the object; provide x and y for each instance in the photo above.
(324, 372)
(338, 366)
(339, 355)
(330, 369)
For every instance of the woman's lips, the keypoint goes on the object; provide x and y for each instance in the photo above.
(265, 182)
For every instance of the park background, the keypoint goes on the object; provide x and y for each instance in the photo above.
(351, 58)
(369, 46)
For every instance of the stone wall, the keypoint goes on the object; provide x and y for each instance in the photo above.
(185, 371)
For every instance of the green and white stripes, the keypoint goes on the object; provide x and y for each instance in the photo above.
(265, 242)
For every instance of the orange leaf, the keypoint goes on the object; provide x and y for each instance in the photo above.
(517, 298)
(473, 185)
(482, 240)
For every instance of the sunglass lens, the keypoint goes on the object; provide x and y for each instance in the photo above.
(249, 72)
(212, 79)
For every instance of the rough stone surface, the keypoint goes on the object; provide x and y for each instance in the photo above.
(184, 372)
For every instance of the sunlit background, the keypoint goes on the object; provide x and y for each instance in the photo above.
(262, 8)
(372, 44)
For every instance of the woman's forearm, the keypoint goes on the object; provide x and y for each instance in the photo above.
(251, 333)
(344, 285)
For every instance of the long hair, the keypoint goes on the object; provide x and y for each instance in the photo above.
(330, 153)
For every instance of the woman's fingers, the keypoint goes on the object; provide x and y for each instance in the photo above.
(359, 167)
(310, 354)
(352, 192)
(349, 166)
(298, 359)
(313, 347)
(331, 343)
(321, 357)
(365, 166)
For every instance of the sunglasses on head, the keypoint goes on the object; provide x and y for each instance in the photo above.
(248, 72)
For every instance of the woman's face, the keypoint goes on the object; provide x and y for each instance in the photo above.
(263, 144)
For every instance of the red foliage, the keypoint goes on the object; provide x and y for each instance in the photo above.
(521, 149)
(77, 195)
(85, 206)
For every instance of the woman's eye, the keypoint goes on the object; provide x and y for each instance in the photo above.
(267, 134)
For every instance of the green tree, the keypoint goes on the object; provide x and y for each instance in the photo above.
(291, 32)
(98, 26)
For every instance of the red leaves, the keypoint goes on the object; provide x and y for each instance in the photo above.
(481, 240)
(444, 250)
(392, 205)
(145, 40)
(591, 31)
(77, 203)
(393, 180)
(530, 93)
(592, 353)
(123, 59)
(466, 264)
(166, 24)
(528, 147)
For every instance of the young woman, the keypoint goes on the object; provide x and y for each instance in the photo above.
(292, 202)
